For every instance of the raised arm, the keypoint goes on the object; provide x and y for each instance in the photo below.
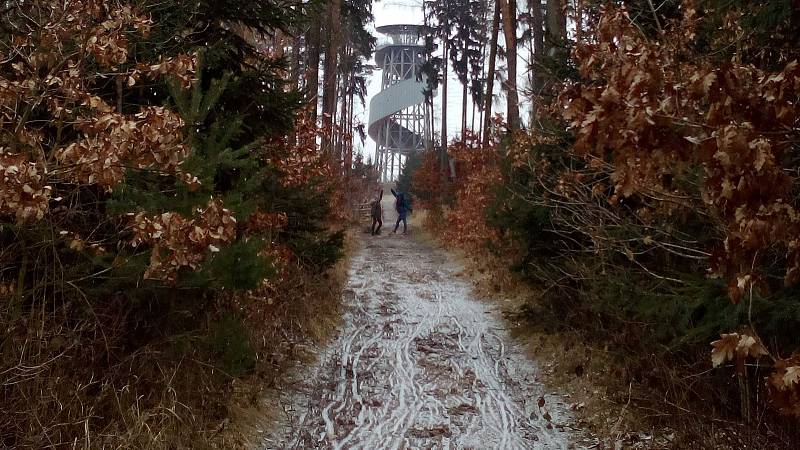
(380, 197)
(393, 192)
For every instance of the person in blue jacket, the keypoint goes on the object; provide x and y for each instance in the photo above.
(402, 206)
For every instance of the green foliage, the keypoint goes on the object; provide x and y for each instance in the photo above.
(306, 233)
(612, 298)
(230, 341)
(767, 24)
(126, 348)
(319, 252)
(413, 163)
(238, 266)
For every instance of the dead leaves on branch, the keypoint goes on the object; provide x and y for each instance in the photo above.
(738, 348)
(178, 242)
(656, 110)
(24, 193)
(50, 90)
(298, 158)
(53, 79)
(478, 173)
(783, 384)
(113, 143)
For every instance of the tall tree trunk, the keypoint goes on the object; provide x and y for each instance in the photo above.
(349, 157)
(463, 111)
(538, 53)
(538, 30)
(472, 117)
(464, 98)
(478, 105)
(341, 132)
(429, 125)
(579, 20)
(279, 44)
(313, 48)
(556, 27)
(295, 69)
(331, 62)
(443, 151)
(487, 106)
(509, 11)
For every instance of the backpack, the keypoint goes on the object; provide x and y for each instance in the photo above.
(375, 211)
(402, 203)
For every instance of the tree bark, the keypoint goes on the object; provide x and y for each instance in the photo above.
(295, 68)
(341, 132)
(538, 29)
(556, 26)
(313, 48)
(443, 150)
(487, 106)
(508, 9)
(349, 157)
(341, 143)
(538, 52)
(579, 20)
(330, 75)
(464, 98)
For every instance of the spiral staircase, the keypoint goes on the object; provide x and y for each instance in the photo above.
(398, 116)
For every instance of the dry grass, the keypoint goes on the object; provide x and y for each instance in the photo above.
(307, 318)
(152, 378)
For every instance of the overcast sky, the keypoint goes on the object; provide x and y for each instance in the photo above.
(389, 12)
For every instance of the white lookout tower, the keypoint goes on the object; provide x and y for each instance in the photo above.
(398, 117)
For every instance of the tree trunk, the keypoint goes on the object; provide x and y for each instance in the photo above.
(342, 131)
(538, 53)
(349, 157)
(295, 70)
(477, 106)
(579, 20)
(472, 118)
(329, 83)
(509, 11)
(464, 98)
(487, 106)
(443, 150)
(538, 29)
(429, 125)
(313, 47)
(556, 27)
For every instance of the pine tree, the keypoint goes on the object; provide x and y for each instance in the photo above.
(491, 74)
(465, 52)
(508, 9)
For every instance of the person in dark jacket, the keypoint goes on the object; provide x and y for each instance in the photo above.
(402, 207)
(377, 213)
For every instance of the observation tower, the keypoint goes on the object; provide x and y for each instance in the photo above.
(398, 116)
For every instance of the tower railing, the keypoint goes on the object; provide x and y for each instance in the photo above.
(398, 117)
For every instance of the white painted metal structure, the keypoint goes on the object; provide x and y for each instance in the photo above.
(398, 118)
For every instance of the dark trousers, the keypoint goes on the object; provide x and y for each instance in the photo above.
(399, 218)
(380, 224)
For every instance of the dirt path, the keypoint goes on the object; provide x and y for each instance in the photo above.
(418, 364)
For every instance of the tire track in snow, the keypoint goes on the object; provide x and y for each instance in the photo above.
(419, 364)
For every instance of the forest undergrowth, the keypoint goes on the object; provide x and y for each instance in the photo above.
(650, 212)
(169, 226)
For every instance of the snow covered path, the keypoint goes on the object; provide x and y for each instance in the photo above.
(419, 364)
